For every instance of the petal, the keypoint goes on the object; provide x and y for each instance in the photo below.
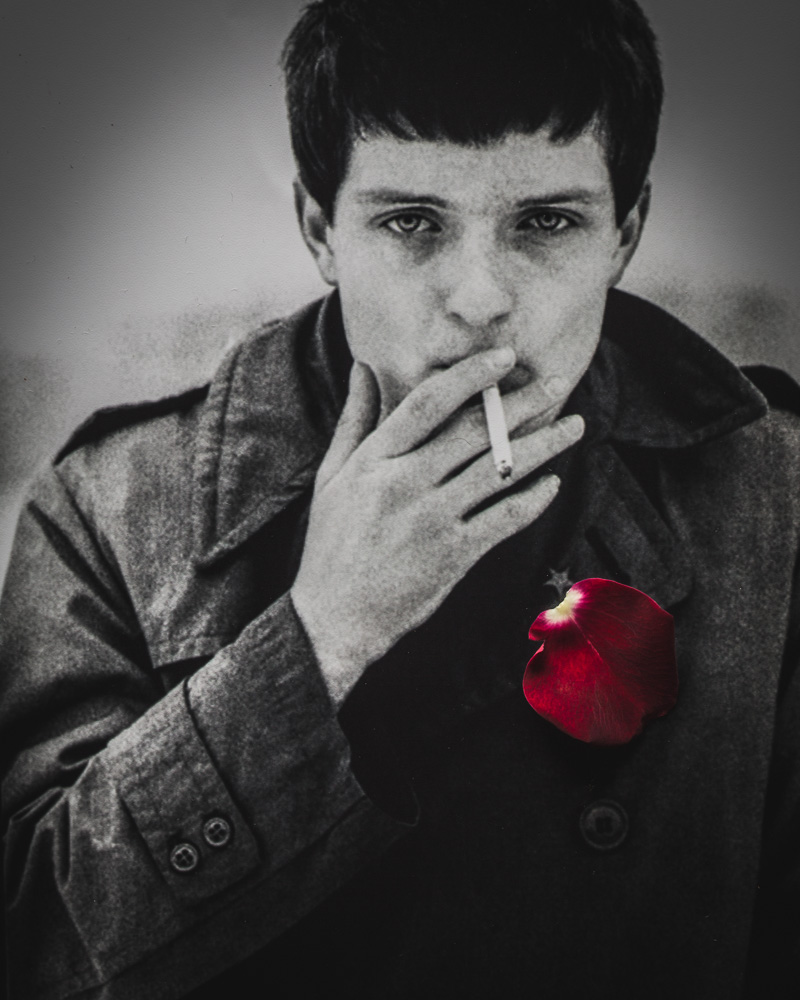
(581, 701)
(607, 664)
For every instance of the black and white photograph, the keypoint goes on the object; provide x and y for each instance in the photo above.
(400, 499)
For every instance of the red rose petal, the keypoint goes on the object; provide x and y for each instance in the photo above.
(607, 664)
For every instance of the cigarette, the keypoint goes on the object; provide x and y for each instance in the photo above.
(498, 432)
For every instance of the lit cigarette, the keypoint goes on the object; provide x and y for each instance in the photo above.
(498, 432)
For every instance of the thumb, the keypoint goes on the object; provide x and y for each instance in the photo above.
(358, 419)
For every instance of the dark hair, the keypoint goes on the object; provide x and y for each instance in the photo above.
(470, 72)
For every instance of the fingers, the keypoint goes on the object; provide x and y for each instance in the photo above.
(533, 406)
(359, 416)
(427, 406)
(480, 480)
(512, 514)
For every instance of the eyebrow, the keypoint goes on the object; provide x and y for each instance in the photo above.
(583, 196)
(390, 196)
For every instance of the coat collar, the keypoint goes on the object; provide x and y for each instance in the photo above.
(273, 405)
(266, 424)
(660, 385)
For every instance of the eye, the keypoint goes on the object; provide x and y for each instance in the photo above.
(408, 224)
(548, 222)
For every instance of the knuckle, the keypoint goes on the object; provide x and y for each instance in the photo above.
(520, 508)
(468, 376)
(513, 507)
(395, 496)
(549, 441)
(495, 360)
(473, 427)
(419, 407)
(556, 439)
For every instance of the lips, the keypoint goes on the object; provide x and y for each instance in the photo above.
(519, 375)
(516, 379)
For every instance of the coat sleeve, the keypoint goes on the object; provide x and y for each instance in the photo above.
(773, 971)
(153, 840)
(774, 961)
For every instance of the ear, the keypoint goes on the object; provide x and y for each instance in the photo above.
(630, 232)
(316, 232)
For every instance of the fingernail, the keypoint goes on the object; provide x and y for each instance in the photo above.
(502, 357)
(556, 386)
(573, 425)
(552, 483)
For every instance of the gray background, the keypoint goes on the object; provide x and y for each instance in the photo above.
(146, 211)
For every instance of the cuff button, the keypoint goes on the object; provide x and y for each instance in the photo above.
(217, 832)
(184, 858)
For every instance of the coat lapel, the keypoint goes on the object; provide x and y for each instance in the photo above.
(624, 536)
(654, 387)
(269, 417)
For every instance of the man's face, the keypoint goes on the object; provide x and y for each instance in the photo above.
(441, 250)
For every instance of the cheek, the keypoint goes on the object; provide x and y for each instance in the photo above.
(585, 316)
(366, 324)
(384, 331)
(561, 328)
(571, 283)
(579, 328)
(566, 310)
(382, 311)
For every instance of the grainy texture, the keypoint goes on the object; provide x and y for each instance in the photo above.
(154, 675)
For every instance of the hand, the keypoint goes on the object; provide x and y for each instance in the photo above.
(389, 531)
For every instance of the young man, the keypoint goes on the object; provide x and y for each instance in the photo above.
(263, 642)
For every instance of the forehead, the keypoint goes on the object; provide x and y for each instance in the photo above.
(519, 166)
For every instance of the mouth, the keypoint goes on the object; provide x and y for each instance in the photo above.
(515, 379)
(518, 377)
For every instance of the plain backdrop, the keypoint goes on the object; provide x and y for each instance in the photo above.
(146, 211)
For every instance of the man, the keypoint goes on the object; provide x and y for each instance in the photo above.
(263, 642)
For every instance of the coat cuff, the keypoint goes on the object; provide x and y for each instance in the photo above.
(265, 715)
(196, 835)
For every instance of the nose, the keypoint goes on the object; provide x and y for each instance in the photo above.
(477, 288)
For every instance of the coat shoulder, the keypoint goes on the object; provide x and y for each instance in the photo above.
(782, 422)
(754, 471)
(111, 419)
(130, 469)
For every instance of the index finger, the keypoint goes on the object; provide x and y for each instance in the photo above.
(430, 403)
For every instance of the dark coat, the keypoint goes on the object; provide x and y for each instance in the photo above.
(178, 790)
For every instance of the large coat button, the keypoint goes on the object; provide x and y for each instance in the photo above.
(217, 832)
(604, 824)
(184, 857)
